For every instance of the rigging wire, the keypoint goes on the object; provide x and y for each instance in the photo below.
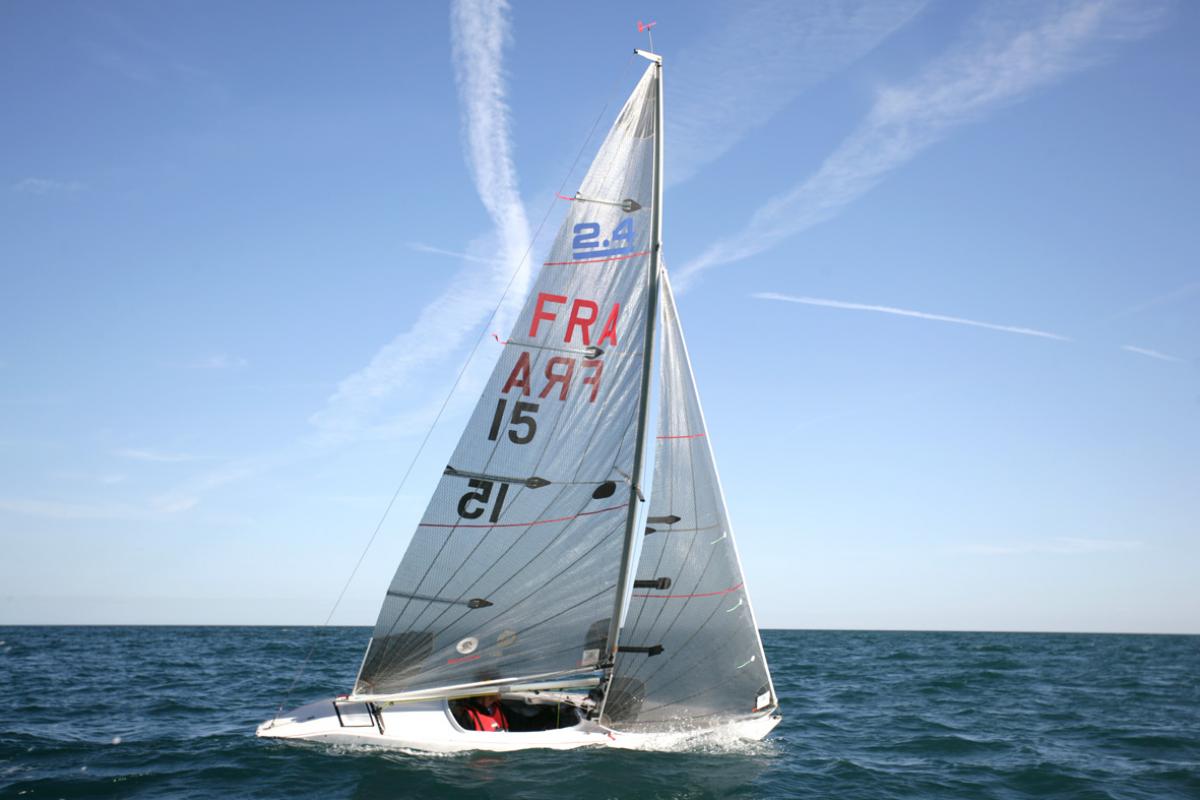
(457, 380)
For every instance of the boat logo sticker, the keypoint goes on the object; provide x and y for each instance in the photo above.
(587, 244)
(467, 645)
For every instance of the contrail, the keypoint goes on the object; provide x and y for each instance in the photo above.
(1144, 351)
(1004, 61)
(373, 398)
(904, 312)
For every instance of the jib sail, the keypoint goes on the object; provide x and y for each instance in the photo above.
(690, 650)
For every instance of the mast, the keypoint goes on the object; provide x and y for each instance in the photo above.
(635, 492)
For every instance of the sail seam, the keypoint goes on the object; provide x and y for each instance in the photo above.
(595, 260)
(682, 596)
(519, 524)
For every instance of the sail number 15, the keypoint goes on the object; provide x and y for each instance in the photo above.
(522, 423)
(472, 504)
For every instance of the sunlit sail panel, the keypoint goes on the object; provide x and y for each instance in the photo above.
(690, 597)
(513, 569)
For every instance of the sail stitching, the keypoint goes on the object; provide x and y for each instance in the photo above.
(706, 658)
(515, 542)
(457, 525)
(720, 593)
(625, 257)
(512, 606)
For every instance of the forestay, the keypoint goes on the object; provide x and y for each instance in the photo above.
(711, 668)
(513, 569)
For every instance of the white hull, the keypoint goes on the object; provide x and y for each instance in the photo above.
(429, 726)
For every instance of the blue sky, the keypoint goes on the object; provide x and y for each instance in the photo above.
(936, 262)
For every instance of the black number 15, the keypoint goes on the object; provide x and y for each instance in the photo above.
(482, 495)
(519, 417)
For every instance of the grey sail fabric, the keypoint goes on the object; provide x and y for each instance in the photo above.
(512, 571)
(690, 596)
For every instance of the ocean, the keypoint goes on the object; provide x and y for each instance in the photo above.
(164, 712)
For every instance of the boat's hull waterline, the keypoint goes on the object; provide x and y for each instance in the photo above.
(428, 726)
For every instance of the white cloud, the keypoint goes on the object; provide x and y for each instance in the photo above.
(188, 494)
(1062, 545)
(421, 247)
(219, 361)
(756, 61)
(156, 456)
(66, 510)
(172, 503)
(479, 31)
(1143, 351)
(904, 312)
(47, 186)
(368, 399)
(1167, 297)
(1005, 59)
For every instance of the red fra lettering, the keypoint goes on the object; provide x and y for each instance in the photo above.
(539, 312)
(578, 320)
(593, 380)
(610, 327)
(519, 377)
(563, 378)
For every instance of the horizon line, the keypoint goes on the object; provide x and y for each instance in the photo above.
(318, 626)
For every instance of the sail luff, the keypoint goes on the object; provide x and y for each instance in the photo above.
(635, 493)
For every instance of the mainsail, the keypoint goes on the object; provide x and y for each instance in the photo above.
(690, 596)
(514, 569)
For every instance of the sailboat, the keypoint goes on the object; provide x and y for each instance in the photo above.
(602, 612)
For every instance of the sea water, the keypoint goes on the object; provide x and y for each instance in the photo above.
(167, 712)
